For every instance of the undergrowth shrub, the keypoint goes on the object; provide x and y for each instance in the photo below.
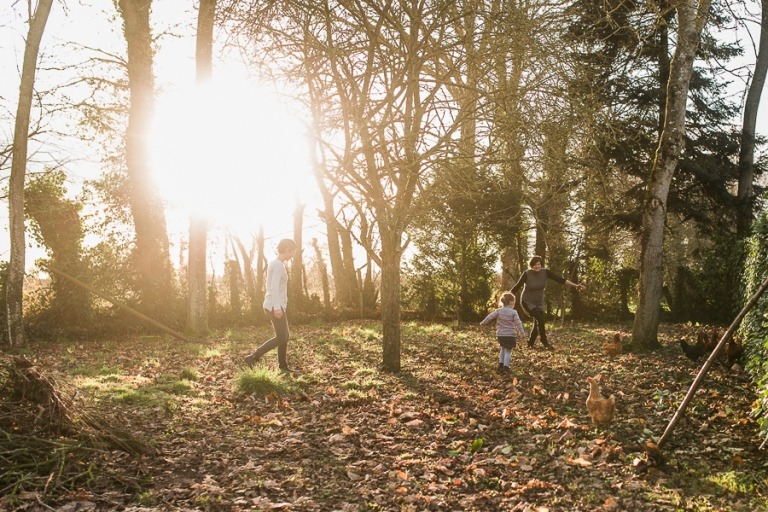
(754, 328)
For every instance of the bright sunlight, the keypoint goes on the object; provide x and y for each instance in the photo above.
(231, 152)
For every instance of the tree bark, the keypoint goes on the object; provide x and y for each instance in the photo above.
(151, 253)
(260, 271)
(250, 284)
(745, 193)
(232, 273)
(14, 294)
(296, 300)
(197, 311)
(197, 303)
(323, 269)
(390, 303)
(692, 17)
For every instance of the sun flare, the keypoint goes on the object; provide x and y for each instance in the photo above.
(231, 152)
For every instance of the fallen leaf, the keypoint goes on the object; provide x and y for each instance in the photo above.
(578, 462)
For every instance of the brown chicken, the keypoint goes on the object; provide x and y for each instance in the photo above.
(733, 351)
(600, 409)
(713, 339)
(613, 348)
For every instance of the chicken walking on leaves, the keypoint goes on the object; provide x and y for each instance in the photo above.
(613, 348)
(706, 344)
(601, 410)
(733, 351)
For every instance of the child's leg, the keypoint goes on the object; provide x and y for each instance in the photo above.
(504, 356)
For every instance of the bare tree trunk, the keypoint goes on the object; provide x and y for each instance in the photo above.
(663, 59)
(232, 274)
(296, 300)
(323, 269)
(152, 253)
(368, 288)
(250, 285)
(197, 312)
(542, 227)
(197, 303)
(509, 129)
(260, 270)
(692, 17)
(348, 271)
(745, 194)
(390, 302)
(328, 214)
(14, 294)
(337, 265)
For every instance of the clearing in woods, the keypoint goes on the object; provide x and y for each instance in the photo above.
(447, 433)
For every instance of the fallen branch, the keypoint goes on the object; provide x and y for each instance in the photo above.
(120, 305)
(710, 361)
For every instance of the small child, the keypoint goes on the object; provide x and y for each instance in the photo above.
(509, 327)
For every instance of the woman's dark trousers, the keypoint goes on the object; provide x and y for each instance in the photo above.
(539, 329)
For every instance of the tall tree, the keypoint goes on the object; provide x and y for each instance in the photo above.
(390, 110)
(152, 253)
(15, 279)
(392, 104)
(692, 16)
(197, 314)
(745, 193)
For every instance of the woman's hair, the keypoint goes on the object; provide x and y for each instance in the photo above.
(507, 298)
(286, 245)
(535, 260)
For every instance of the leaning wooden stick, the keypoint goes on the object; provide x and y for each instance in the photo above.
(121, 305)
(700, 376)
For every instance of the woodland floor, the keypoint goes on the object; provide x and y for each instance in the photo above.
(447, 433)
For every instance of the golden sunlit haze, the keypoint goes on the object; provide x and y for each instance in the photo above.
(231, 152)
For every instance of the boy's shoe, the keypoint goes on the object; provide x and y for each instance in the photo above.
(252, 360)
(289, 371)
(505, 370)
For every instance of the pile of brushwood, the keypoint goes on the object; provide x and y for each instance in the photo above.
(156, 424)
(50, 441)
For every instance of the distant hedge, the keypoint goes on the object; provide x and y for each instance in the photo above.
(754, 328)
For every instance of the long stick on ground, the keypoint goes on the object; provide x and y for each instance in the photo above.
(710, 361)
(120, 305)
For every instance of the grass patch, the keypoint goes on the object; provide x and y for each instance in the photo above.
(356, 394)
(190, 374)
(429, 328)
(237, 335)
(733, 482)
(361, 372)
(211, 353)
(134, 396)
(260, 382)
(171, 385)
(368, 334)
(95, 371)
